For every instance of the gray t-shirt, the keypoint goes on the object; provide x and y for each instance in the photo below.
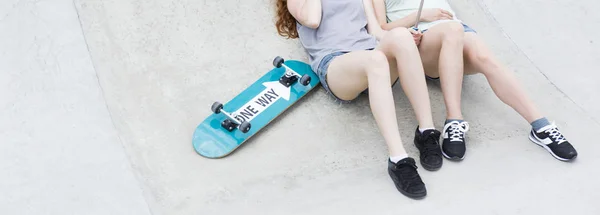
(342, 28)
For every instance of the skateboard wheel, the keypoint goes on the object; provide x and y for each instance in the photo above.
(216, 107)
(245, 127)
(278, 61)
(305, 80)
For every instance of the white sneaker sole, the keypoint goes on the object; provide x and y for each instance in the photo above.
(536, 141)
(453, 158)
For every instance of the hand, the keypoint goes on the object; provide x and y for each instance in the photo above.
(416, 36)
(433, 14)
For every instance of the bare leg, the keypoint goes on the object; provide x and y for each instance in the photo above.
(441, 49)
(350, 74)
(479, 59)
(400, 49)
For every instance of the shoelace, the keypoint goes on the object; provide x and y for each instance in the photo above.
(555, 134)
(408, 172)
(431, 145)
(457, 130)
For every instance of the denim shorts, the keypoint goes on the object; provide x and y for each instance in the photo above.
(322, 73)
(466, 27)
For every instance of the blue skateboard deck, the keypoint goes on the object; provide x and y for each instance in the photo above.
(235, 122)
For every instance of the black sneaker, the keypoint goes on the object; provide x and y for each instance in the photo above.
(552, 140)
(406, 178)
(453, 145)
(429, 147)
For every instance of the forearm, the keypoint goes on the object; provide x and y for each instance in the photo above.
(373, 26)
(406, 22)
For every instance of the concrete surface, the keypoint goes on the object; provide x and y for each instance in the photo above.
(75, 146)
(59, 151)
(570, 59)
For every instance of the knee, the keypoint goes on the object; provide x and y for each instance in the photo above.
(454, 33)
(377, 65)
(484, 61)
(376, 58)
(400, 33)
(400, 38)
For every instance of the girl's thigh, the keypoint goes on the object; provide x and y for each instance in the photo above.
(346, 76)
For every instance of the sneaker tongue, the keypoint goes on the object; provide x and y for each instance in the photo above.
(547, 127)
(431, 132)
(407, 165)
(407, 160)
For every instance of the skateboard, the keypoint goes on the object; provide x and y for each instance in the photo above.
(233, 123)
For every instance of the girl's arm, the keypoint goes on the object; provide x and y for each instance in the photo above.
(380, 6)
(427, 15)
(373, 26)
(405, 22)
(307, 12)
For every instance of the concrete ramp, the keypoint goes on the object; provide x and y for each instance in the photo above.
(161, 64)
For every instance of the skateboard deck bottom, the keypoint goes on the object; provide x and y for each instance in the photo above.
(259, 104)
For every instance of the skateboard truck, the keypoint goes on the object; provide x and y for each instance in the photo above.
(290, 75)
(230, 123)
